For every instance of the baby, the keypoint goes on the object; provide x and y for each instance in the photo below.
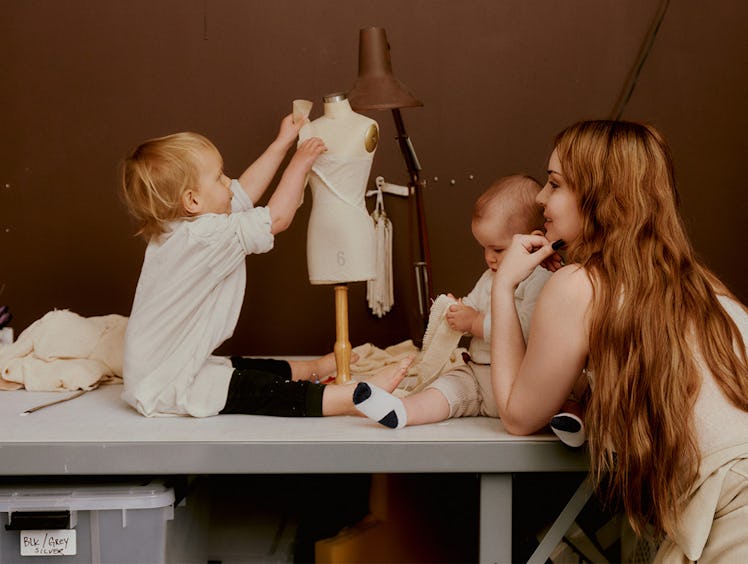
(507, 207)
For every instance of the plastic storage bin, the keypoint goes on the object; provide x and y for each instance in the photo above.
(119, 523)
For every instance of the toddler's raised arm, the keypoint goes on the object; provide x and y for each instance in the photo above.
(256, 179)
(287, 196)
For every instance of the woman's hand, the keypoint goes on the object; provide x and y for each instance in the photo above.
(524, 254)
(555, 261)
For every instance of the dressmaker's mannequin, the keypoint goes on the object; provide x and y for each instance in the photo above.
(340, 236)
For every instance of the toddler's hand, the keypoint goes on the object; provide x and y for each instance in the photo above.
(307, 153)
(289, 131)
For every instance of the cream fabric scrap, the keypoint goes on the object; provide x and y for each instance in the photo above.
(439, 352)
(301, 109)
(438, 355)
(372, 359)
(380, 292)
(64, 351)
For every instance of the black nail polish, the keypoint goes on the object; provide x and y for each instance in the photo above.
(558, 244)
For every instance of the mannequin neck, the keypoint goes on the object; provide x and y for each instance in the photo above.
(337, 108)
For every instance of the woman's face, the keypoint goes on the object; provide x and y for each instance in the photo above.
(563, 219)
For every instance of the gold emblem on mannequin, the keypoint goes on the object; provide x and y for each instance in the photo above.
(372, 138)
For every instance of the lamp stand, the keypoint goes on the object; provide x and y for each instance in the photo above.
(422, 260)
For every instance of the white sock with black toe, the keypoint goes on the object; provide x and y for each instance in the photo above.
(569, 428)
(379, 405)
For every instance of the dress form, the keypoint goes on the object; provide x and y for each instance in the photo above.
(340, 235)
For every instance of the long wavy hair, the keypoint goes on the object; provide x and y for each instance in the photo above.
(654, 314)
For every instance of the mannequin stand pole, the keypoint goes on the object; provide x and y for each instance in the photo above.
(342, 344)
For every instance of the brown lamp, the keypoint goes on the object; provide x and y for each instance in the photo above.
(376, 88)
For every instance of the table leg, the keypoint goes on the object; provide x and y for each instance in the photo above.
(495, 519)
(562, 522)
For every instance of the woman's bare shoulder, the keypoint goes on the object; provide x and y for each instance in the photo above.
(572, 281)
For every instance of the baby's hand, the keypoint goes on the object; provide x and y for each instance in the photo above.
(289, 131)
(307, 153)
(460, 317)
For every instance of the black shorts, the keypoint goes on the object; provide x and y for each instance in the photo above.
(263, 386)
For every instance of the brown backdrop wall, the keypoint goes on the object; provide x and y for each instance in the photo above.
(83, 81)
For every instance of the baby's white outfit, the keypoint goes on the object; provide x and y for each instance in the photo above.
(187, 303)
(468, 388)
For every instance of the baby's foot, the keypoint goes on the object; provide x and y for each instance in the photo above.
(391, 375)
(379, 405)
(569, 428)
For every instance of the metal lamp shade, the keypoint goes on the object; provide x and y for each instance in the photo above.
(376, 88)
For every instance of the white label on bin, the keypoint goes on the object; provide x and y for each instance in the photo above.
(60, 542)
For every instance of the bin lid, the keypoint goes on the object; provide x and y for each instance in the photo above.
(81, 497)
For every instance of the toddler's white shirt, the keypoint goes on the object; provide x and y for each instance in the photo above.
(187, 303)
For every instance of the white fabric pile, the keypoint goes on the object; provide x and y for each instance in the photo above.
(64, 351)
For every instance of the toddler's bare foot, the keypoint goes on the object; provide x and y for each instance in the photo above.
(314, 370)
(320, 369)
(325, 365)
(333, 371)
(390, 376)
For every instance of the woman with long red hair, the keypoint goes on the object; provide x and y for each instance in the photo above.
(661, 340)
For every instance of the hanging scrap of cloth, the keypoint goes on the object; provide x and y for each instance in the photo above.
(379, 291)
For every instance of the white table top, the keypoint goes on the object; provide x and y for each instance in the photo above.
(98, 433)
